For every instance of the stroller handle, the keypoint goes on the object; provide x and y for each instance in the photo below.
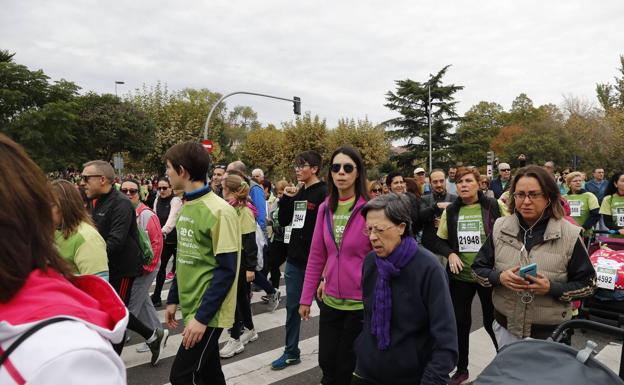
(605, 231)
(586, 324)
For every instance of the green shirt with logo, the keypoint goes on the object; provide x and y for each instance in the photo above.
(614, 205)
(206, 227)
(580, 206)
(85, 249)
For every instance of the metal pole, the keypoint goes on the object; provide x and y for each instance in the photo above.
(214, 107)
(429, 110)
(115, 88)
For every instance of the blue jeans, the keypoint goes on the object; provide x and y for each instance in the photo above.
(294, 286)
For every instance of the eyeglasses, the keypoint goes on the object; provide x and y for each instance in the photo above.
(376, 230)
(301, 166)
(532, 195)
(163, 188)
(377, 191)
(129, 191)
(347, 167)
(85, 178)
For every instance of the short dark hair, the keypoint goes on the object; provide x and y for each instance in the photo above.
(412, 187)
(440, 170)
(164, 179)
(312, 158)
(611, 188)
(267, 184)
(547, 184)
(463, 171)
(391, 176)
(192, 157)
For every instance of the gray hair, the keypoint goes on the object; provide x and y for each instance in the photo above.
(102, 167)
(237, 165)
(258, 171)
(396, 207)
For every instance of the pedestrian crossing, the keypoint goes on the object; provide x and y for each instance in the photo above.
(253, 365)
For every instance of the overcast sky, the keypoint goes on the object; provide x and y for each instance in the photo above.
(340, 57)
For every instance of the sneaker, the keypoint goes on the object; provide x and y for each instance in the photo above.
(459, 377)
(274, 300)
(231, 348)
(248, 336)
(143, 348)
(284, 361)
(169, 276)
(158, 345)
(265, 298)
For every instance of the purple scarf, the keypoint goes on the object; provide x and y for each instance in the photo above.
(387, 269)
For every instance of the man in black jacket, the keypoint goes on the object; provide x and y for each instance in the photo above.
(115, 220)
(433, 205)
(297, 212)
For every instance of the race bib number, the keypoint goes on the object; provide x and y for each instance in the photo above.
(301, 208)
(469, 236)
(287, 232)
(606, 277)
(619, 216)
(575, 208)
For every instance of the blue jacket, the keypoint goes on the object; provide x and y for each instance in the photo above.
(597, 188)
(497, 187)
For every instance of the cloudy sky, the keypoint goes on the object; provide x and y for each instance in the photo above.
(340, 57)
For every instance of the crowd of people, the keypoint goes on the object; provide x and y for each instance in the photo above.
(393, 264)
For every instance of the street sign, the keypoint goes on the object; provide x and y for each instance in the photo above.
(118, 162)
(207, 143)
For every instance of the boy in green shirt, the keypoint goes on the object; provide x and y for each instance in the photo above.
(208, 257)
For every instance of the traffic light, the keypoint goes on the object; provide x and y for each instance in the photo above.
(297, 105)
(490, 157)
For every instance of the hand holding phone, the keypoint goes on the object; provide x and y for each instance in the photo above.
(530, 269)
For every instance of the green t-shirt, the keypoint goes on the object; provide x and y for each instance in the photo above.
(206, 226)
(470, 237)
(580, 206)
(85, 250)
(246, 220)
(343, 304)
(341, 217)
(614, 205)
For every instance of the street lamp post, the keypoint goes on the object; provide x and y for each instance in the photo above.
(295, 100)
(429, 119)
(118, 82)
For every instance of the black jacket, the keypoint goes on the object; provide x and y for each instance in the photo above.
(423, 333)
(429, 210)
(115, 220)
(497, 187)
(490, 212)
(300, 239)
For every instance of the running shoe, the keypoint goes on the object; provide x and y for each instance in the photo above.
(231, 348)
(158, 345)
(265, 298)
(248, 336)
(284, 361)
(274, 300)
(143, 348)
(169, 276)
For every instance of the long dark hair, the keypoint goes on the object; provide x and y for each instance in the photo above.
(611, 188)
(360, 181)
(26, 224)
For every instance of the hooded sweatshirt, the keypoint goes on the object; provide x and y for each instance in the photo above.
(70, 352)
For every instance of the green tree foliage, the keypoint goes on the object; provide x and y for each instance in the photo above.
(479, 126)
(411, 101)
(370, 141)
(305, 133)
(264, 148)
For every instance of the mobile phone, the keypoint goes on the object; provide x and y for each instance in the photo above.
(530, 269)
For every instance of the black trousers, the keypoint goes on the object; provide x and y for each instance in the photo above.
(338, 329)
(123, 287)
(169, 250)
(199, 365)
(242, 316)
(462, 294)
(276, 257)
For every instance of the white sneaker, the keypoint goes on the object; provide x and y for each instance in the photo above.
(231, 348)
(248, 336)
(143, 348)
(274, 300)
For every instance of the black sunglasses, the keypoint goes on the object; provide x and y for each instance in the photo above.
(163, 188)
(132, 191)
(347, 167)
(377, 190)
(85, 178)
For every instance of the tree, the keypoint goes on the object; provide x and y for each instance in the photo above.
(264, 148)
(411, 101)
(478, 127)
(369, 140)
(305, 133)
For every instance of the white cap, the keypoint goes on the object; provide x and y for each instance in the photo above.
(418, 170)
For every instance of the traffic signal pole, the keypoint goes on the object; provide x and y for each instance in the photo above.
(295, 100)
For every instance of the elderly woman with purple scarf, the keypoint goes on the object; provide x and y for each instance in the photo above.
(409, 334)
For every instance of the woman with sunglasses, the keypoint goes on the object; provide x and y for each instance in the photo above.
(464, 226)
(76, 237)
(374, 189)
(140, 303)
(338, 248)
(166, 206)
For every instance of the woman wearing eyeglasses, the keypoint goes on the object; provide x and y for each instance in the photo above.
(409, 334)
(532, 304)
(76, 237)
(337, 252)
(464, 226)
(167, 206)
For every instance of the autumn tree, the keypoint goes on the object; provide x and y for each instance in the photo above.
(264, 148)
(479, 126)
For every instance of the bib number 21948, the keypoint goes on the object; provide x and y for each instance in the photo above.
(469, 236)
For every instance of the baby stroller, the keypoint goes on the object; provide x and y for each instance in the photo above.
(550, 362)
(607, 303)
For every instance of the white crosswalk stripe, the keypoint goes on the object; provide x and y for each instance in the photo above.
(255, 369)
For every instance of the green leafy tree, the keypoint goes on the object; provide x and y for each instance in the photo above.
(305, 133)
(411, 101)
(264, 148)
(479, 126)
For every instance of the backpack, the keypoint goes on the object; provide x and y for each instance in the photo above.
(146, 247)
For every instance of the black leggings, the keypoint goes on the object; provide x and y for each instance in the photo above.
(169, 250)
(276, 257)
(462, 294)
(242, 315)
